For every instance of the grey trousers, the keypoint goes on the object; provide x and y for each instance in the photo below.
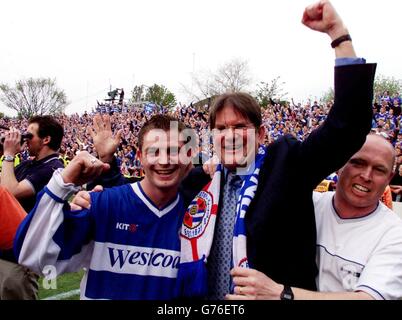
(17, 282)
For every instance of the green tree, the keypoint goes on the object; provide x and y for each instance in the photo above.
(270, 91)
(1, 115)
(31, 97)
(160, 95)
(138, 93)
(390, 84)
(328, 96)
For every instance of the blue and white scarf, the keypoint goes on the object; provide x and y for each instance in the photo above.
(197, 231)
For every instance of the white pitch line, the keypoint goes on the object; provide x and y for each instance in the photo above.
(63, 295)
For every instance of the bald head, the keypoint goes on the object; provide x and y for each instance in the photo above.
(383, 146)
(363, 178)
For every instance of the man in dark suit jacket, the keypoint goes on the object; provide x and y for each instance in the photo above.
(281, 234)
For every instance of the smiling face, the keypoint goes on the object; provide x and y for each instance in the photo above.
(163, 160)
(364, 177)
(235, 138)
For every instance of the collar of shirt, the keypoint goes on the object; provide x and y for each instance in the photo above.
(47, 158)
(244, 173)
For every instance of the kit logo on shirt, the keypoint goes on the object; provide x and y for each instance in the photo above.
(127, 226)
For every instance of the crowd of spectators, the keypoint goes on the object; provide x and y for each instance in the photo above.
(279, 119)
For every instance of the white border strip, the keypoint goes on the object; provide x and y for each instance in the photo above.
(62, 296)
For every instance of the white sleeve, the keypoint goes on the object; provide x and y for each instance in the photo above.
(382, 275)
(45, 238)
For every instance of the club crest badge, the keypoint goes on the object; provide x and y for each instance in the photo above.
(197, 215)
(243, 263)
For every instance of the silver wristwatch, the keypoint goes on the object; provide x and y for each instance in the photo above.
(9, 158)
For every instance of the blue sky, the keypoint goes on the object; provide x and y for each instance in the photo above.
(89, 45)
